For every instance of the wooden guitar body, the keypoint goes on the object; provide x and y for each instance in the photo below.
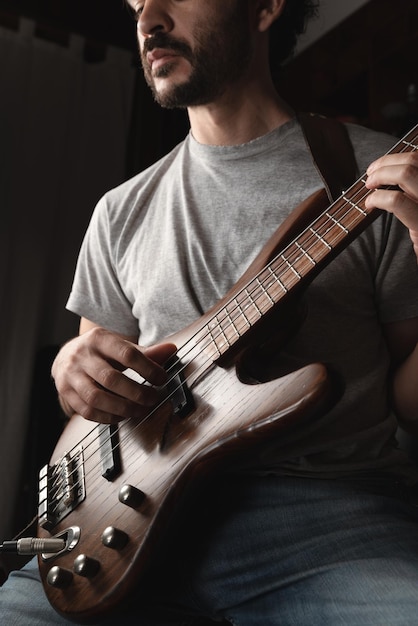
(164, 459)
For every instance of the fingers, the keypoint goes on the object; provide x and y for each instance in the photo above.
(399, 171)
(123, 354)
(89, 377)
(395, 169)
(161, 352)
(395, 202)
(98, 405)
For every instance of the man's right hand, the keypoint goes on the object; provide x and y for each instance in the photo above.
(88, 374)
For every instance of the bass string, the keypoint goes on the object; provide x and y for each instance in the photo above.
(286, 258)
(95, 470)
(407, 147)
(293, 257)
(351, 203)
(60, 484)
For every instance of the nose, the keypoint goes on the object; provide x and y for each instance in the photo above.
(154, 17)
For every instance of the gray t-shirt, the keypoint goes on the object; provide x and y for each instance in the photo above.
(163, 247)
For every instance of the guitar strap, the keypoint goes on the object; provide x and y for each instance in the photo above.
(332, 152)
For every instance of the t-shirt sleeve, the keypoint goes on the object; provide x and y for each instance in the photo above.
(96, 293)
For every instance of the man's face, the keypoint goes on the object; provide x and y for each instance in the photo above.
(194, 50)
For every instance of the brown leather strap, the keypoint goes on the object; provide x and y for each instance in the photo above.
(332, 152)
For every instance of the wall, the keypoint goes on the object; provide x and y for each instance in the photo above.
(331, 13)
(362, 69)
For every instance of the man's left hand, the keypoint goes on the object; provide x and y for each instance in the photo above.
(401, 171)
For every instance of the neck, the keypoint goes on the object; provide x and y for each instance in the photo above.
(239, 116)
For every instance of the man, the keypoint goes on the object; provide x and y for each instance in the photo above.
(319, 528)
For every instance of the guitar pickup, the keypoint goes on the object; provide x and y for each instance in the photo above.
(110, 451)
(176, 389)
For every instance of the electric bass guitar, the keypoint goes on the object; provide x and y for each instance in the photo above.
(109, 493)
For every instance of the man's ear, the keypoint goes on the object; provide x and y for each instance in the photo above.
(268, 11)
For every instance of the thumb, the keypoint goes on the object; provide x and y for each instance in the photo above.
(161, 352)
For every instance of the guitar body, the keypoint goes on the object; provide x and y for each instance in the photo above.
(165, 458)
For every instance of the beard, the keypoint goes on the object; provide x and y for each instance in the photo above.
(221, 55)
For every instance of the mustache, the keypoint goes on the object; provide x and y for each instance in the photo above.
(162, 40)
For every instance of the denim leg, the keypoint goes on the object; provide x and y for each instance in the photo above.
(296, 552)
(23, 603)
(268, 551)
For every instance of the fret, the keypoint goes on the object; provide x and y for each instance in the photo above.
(265, 292)
(410, 145)
(228, 332)
(232, 325)
(277, 280)
(326, 227)
(291, 267)
(213, 327)
(305, 253)
(337, 223)
(257, 293)
(268, 282)
(320, 238)
(246, 310)
(254, 304)
(346, 218)
(355, 206)
(241, 313)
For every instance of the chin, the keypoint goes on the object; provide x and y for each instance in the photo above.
(168, 95)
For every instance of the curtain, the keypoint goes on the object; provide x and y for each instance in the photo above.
(64, 126)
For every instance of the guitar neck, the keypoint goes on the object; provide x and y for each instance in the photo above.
(297, 264)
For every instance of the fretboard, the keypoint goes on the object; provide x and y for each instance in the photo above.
(314, 248)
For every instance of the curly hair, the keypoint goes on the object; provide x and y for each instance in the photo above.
(285, 31)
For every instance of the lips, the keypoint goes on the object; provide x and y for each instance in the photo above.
(159, 56)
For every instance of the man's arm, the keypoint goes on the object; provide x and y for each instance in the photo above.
(402, 340)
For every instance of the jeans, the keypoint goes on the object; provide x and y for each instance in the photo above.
(268, 551)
